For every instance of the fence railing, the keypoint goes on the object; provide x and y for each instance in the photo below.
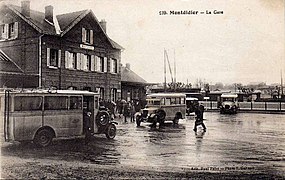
(254, 106)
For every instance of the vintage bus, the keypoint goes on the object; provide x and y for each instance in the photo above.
(162, 107)
(41, 115)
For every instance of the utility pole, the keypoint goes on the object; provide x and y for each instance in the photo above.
(174, 72)
(164, 70)
(281, 85)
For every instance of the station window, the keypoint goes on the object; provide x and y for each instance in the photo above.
(53, 57)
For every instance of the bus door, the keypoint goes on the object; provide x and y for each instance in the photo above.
(88, 107)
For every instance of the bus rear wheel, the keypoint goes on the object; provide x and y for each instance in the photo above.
(43, 138)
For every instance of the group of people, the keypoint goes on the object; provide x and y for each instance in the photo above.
(128, 109)
(122, 108)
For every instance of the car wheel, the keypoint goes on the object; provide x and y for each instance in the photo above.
(161, 115)
(111, 131)
(43, 138)
(103, 118)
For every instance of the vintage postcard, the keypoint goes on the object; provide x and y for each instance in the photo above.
(132, 89)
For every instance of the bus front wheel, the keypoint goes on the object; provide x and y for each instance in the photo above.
(43, 138)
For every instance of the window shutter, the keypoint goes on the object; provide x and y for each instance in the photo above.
(78, 61)
(59, 58)
(91, 37)
(111, 65)
(82, 62)
(118, 66)
(67, 59)
(105, 64)
(48, 56)
(97, 63)
(92, 63)
(6, 29)
(83, 35)
(16, 26)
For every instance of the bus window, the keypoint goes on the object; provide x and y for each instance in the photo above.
(156, 102)
(56, 102)
(182, 101)
(75, 102)
(167, 101)
(172, 101)
(28, 103)
(177, 100)
(163, 101)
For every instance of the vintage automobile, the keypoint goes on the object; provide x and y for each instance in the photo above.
(191, 104)
(229, 104)
(162, 107)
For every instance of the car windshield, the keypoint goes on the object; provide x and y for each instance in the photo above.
(229, 99)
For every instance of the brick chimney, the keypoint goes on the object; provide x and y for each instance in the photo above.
(25, 8)
(128, 66)
(49, 13)
(103, 24)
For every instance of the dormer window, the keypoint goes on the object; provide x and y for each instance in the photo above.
(9, 31)
(87, 36)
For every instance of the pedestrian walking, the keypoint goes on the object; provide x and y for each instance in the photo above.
(126, 111)
(199, 117)
(201, 109)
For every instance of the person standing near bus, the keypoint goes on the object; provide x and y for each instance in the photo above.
(87, 125)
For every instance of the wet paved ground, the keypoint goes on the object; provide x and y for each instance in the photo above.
(242, 142)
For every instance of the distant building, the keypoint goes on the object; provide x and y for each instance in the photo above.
(133, 86)
(67, 51)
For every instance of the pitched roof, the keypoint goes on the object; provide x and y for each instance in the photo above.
(36, 20)
(65, 21)
(128, 75)
(7, 65)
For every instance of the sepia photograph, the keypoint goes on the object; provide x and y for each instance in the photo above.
(142, 89)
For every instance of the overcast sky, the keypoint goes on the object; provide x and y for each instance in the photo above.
(244, 44)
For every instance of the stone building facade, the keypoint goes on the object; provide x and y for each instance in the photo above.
(67, 51)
